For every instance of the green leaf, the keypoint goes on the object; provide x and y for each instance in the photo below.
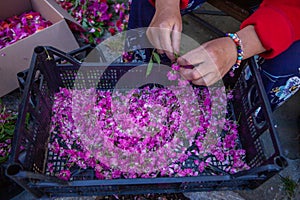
(1, 130)
(3, 159)
(97, 34)
(84, 23)
(110, 2)
(10, 132)
(2, 137)
(149, 67)
(27, 118)
(156, 57)
(77, 3)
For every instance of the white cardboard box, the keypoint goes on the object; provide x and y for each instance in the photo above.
(17, 56)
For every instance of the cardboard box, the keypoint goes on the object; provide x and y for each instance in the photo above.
(17, 56)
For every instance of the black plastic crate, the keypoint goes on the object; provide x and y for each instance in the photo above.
(28, 167)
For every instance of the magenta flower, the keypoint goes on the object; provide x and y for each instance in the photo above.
(16, 28)
(172, 76)
(51, 167)
(119, 7)
(175, 67)
(65, 175)
(98, 17)
(201, 167)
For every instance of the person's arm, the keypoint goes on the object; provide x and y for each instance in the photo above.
(183, 3)
(268, 32)
(251, 43)
(277, 25)
(164, 31)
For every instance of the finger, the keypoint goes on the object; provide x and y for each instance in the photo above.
(152, 35)
(160, 51)
(176, 38)
(210, 71)
(193, 57)
(190, 74)
(166, 44)
(183, 61)
(206, 80)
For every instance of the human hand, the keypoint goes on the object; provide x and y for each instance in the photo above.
(211, 61)
(164, 31)
(214, 59)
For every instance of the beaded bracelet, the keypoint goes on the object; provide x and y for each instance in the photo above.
(240, 52)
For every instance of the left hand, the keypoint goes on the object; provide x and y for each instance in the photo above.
(211, 61)
(164, 31)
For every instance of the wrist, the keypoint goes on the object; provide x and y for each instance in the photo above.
(250, 42)
(222, 48)
(239, 49)
(167, 4)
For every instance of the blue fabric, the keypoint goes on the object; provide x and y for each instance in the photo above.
(193, 5)
(142, 12)
(281, 75)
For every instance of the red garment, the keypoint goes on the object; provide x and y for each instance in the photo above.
(277, 25)
(276, 22)
(183, 3)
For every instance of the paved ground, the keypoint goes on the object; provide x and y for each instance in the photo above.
(287, 119)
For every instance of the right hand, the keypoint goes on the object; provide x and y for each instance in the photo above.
(211, 61)
(164, 31)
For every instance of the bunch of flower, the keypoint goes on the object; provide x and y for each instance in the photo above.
(7, 126)
(98, 17)
(18, 27)
(146, 132)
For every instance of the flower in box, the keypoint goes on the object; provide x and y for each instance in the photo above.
(16, 28)
(99, 18)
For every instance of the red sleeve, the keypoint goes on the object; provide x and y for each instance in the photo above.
(183, 3)
(277, 25)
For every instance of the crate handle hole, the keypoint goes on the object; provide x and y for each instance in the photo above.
(22, 78)
(253, 97)
(39, 49)
(281, 162)
(13, 169)
(259, 118)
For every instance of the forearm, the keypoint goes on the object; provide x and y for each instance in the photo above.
(183, 3)
(167, 4)
(251, 44)
(277, 24)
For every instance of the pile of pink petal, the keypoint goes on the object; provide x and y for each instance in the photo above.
(18, 27)
(145, 133)
(98, 17)
(7, 127)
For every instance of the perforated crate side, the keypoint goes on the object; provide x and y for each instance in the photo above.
(256, 127)
(46, 76)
